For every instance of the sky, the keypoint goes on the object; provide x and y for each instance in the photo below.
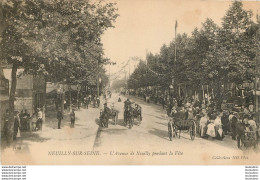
(145, 25)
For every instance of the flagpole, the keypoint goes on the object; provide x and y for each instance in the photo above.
(175, 53)
(175, 41)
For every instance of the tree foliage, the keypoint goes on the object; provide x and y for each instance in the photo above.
(212, 55)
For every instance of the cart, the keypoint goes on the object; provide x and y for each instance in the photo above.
(176, 126)
(113, 114)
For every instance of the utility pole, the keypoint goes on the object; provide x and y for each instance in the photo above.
(176, 25)
(257, 75)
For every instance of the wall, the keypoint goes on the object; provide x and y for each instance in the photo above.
(24, 93)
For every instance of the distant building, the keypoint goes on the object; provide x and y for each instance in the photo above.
(4, 96)
(30, 91)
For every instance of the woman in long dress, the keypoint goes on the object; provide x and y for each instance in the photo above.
(17, 125)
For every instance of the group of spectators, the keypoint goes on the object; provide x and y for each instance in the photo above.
(212, 119)
(23, 121)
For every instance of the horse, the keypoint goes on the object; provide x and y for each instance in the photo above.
(128, 116)
(104, 117)
(137, 113)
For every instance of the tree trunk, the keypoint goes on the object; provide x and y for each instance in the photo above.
(77, 96)
(62, 99)
(11, 103)
(70, 96)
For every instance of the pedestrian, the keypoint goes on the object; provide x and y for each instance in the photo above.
(234, 121)
(98, 101)
(94, 102)
(59, 117)
(17, 126)
(106, 114)
(225, 122)
(39, 119)
(72, 118)
(43, 114)
(88, 101)
(85, 101)
(203, 124)
(251, 107)
(6, 123)
(163, 102)
(26, 119)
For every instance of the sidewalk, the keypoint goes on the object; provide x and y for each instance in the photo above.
(36, 145)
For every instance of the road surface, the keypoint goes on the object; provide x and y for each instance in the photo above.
(150, 142)
(147, 143)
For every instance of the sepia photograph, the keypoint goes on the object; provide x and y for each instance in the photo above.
(130, 82)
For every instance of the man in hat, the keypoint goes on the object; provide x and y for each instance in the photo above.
(98, 101)
(59, 117)
(225, 122)
(106, 114)
(251, 107)
(26, 118)
(233, 122)
(72, 118)
(189, 114)
(127, 104)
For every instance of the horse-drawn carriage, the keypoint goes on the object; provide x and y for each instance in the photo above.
(106, 114)
(137, 114)
(176, 126)
(132, 113)
(128, 117)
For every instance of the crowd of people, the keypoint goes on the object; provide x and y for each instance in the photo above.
(212, 120)
(23, 121)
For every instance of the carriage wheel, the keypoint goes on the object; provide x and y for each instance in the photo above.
(192, 130)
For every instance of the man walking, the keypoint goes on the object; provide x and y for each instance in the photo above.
(39, 119)
(72, 118)
(59, 117)
(98, 101)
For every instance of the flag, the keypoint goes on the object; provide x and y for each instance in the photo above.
(176, 25)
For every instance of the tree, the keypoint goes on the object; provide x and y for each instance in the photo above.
(233, 39)
(61, 39)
